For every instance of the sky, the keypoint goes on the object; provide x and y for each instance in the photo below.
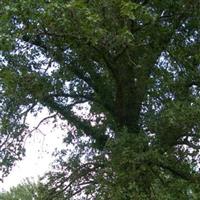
(39, 149)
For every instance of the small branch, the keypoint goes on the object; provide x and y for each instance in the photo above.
(42, 121)
(175, 171)
(189, 144)
(25, 113)
(74, 96)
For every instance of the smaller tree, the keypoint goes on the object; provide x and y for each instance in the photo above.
(27, 190)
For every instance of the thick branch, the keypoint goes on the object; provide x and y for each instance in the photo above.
(96, 133)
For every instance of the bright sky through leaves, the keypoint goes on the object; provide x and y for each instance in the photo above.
(39, 149)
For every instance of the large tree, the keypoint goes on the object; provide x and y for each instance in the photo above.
(124, 75)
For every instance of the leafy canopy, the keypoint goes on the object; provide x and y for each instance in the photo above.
(24, 191)
(27, 190)
(133, 65)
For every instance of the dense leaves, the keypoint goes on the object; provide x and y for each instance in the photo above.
(124, 75)
(24, 191)
(27, 190)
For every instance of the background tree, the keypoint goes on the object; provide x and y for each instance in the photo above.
(133, 65)
(28, 190)
(24, 191)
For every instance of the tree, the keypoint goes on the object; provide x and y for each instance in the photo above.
(24, 191)
(134, 65)
(27, 190)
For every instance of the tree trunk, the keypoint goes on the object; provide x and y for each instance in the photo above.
(130, 92)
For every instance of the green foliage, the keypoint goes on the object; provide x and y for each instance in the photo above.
(25, 191)
(130, 69)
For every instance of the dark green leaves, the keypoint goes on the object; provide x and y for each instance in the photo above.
(135, 65)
